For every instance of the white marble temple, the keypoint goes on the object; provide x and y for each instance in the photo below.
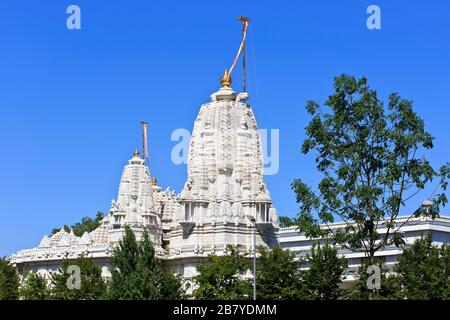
(224, 190)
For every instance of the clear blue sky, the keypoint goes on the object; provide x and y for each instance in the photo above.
(71, 101)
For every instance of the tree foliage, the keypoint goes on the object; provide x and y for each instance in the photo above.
(86, 224)
(222, 277)
(389, 285)
(369, 158)
(423, 271)
(9, 281)
(325, 274)
(285, 222)
(34, 287)
(172, 288)
(137, 274)
(64, 282)
(65, 227)
(279, 276)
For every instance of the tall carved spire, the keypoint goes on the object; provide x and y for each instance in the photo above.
(135, 206)
(225, 183)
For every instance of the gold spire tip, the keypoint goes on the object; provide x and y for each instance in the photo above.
(136, 153)
(226, 80)
(154, 182)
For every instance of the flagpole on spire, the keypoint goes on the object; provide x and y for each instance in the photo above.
(144, 141)
(245, 22)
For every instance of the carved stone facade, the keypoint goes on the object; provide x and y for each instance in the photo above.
(135, 206)
(224, 190)
(225, 185)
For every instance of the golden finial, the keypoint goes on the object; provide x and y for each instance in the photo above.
(136, 153)
(154, 182)
(226, 80)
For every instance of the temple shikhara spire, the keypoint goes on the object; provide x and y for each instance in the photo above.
(135, 206)
(225, 186)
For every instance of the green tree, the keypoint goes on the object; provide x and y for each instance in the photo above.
(149, 270)
(222, 277)
(172, 288)
(9, 281)
(325, 274)
(285, 222)
(137, 273)
(127, 280)
(34, 287)
(91, 284)
(369, 158)
(279, 276)
(389, 284)
(87, 224)
(423, 271)
(65, 227)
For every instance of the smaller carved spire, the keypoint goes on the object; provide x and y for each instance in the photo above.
(226, 80)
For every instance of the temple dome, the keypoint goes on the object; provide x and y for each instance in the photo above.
(225, 161)
(135, 206)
